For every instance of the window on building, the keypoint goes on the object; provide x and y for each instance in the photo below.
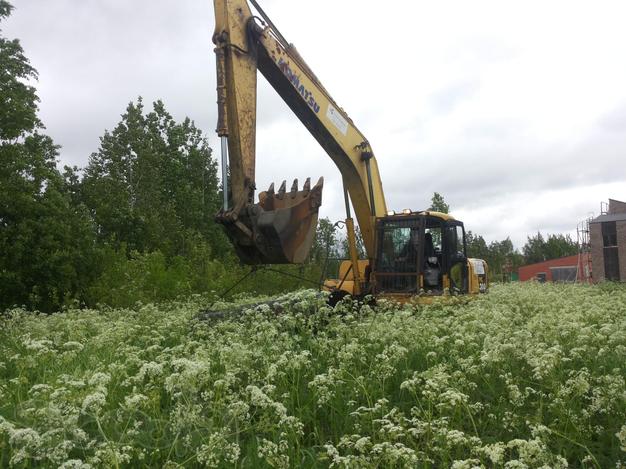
(609, 234)
(611, 264)
(563, 274)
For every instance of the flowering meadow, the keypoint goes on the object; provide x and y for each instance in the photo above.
(527, 376)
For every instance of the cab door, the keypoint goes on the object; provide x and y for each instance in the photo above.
(398, 254)
(455, 254)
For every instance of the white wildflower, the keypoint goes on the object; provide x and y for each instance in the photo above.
(149, 370)
(39, 347)
(99, 379)
(515, 395)
(515, 464)
(494, 452)
(134, 401)
(75, 464)
(466, 464)
(452, 398)
(27, 443)
(93, 403)
(73, 346)
(217, 450)
(39, 389)
(621, 436)
(455, 437)
(239, 410)
(324, 385)
(362, 444)
(274, 454)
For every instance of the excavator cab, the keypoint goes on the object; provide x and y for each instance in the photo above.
(421, 252)
(418, 254)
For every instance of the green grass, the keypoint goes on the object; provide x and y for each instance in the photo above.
(526, 376)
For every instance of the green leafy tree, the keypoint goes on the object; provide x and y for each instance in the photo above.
(539, 249)
(503, 254)
(476, 246)
(438, 204)
(559, 245)
(500, 255)
(18, 99)
(47, 252)
(153, 185)
(534, 250)
(360, 246)
(325, 242)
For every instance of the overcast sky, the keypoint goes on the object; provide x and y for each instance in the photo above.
(514, 111)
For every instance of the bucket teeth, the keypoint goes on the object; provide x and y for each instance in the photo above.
(307, 186)
(294, 188)
(282, 189)
(270, 191)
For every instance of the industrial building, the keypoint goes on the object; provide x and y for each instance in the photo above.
(602, 251)
(563, 269)
(607, 234)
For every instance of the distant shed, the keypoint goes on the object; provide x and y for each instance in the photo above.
(563, 269)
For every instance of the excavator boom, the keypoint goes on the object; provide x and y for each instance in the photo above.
(280, 227)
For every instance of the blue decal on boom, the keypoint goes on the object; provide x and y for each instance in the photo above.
(295, 81)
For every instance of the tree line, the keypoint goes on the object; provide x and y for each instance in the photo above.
(502, 257)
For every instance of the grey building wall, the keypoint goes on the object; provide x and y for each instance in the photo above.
(616, 214)
(621, 248)
(597, 252)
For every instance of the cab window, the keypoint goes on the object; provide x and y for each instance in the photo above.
(455, 241)
(399, 246)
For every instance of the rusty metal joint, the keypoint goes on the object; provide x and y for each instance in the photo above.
(220, 39)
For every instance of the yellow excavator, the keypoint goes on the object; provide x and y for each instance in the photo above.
(410, 254)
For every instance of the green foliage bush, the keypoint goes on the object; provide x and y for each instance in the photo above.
(126, 279)
(47, 252)
(141, 277)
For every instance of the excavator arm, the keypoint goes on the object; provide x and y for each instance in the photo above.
(280, 227)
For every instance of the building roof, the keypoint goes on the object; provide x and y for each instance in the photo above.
(565, 261)
(611, 217)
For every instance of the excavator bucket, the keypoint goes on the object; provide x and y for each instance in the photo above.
(280, 228)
